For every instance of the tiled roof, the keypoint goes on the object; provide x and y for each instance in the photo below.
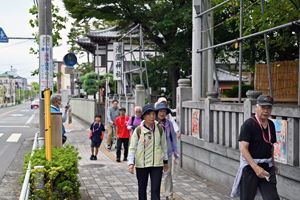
(84, 41)
(224, 75)
(108, 33)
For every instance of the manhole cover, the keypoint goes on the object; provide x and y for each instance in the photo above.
(92, 166)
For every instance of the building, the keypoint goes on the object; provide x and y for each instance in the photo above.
(7, 88)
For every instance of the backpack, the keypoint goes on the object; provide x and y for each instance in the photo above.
(132, 119)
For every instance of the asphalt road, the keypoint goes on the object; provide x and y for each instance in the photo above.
(16, 124)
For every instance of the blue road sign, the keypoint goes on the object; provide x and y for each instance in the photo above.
(70, 59)
(3, 37)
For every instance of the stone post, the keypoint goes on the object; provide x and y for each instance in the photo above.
(212, 97)
(249, 102)
(128, 96)
(139, 95)
(184, 93)
(122, 100)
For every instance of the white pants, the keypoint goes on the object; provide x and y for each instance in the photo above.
(168, 182)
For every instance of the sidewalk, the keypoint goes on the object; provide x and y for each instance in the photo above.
(106, 179)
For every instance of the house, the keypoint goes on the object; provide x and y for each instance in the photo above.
(7, 88)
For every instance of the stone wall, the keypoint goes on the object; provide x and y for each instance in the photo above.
(83, 108)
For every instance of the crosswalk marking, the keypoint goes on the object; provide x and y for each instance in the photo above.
(1, 134)
(14, 137)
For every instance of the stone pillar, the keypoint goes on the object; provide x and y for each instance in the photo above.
(56, 129)
(128, 97)
(139, 95)
(249, 102)
(122, 100)
(184, 93)
(196, 57)
(212, 97)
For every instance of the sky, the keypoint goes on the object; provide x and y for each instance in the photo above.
(14, 20)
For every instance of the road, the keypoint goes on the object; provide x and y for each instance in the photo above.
(16, 124)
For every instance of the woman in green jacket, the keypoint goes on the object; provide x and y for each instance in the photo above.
(148, 151)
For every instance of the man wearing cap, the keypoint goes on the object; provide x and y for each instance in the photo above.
(122, 134)
(176, 128)
(112, 113)
(257, 170)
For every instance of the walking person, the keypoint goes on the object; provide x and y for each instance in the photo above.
(162, 111)
(257, 170)
(148, 152)
(135, 120)
(96, 136)
(55, 104)
(122, 134)
(112, 113)
(176, 128)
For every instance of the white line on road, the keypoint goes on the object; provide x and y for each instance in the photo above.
(14, 126)
(3, 149)
(31, 118)
(14, 137)
(1, 134)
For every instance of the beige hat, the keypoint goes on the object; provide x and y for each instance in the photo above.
(161, 99)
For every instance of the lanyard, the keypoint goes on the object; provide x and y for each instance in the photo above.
(167, 128)
(144, 135)
(263, 130)
(97, 128)
(122, 124)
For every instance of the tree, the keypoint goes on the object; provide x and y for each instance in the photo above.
(166, 23)
(282, 43)
(58, 24)
(90, 83)
(35, 85)
(85, 68)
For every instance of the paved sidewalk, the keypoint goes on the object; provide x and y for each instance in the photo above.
(107, 179)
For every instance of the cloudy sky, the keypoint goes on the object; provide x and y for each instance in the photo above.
(14, 20)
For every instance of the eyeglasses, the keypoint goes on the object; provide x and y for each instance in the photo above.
(138, 111)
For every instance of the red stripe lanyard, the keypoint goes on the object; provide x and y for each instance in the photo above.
(263, 130)
(144, 134)
(167, 128)
(97, 128)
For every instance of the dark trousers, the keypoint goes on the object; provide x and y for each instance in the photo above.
(142, 175)
(250, 182)
(125, 141)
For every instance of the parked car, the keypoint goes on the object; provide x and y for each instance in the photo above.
(35, 104)
(32, 99)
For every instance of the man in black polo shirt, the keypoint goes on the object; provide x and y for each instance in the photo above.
(257, 167)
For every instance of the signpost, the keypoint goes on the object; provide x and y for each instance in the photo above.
(3, 36)
(69, 70)
(46, 64)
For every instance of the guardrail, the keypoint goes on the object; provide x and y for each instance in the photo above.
(25, 188)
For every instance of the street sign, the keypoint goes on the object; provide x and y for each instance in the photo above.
(69, 70)
(70, 59)
(46, 64)
(3, 36)
(16, 83)
(117, 60)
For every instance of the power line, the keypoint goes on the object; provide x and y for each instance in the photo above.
(14, 44)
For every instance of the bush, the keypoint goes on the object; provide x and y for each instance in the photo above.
(234, 92)
(60, 174)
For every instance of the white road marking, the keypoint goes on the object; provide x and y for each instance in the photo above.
(14, 126)
(31, 118)
(1, 134)
(24, 110)
(3, 149)
(17, 115)
(14, 137)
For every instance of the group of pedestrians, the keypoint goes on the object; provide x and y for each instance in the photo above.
(153, 133)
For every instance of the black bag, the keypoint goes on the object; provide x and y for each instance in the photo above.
(64, 139)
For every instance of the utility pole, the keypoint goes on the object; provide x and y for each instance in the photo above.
(45, 28)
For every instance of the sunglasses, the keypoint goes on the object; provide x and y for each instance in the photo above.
(138, 111)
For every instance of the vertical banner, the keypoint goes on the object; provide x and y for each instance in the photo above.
(118, 64)
(132, 111)
(279, 146)
(46, 63)
(195, 122)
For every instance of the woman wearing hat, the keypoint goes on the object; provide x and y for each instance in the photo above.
(175, 126)
(148, 152)
(162, 110)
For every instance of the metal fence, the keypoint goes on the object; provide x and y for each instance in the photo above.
(26, 185)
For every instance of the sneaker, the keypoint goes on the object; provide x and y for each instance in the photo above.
(170, 198)
(125, 159)
(95, 158)
(92, 157)
(118, 160)
(108, 147)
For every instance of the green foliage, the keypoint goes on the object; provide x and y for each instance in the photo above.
(167, 24)
(234, 92)
(35, 85)
(111, 81)
(90, 83)
(282, 43)
(85, 68)
(59, 175)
